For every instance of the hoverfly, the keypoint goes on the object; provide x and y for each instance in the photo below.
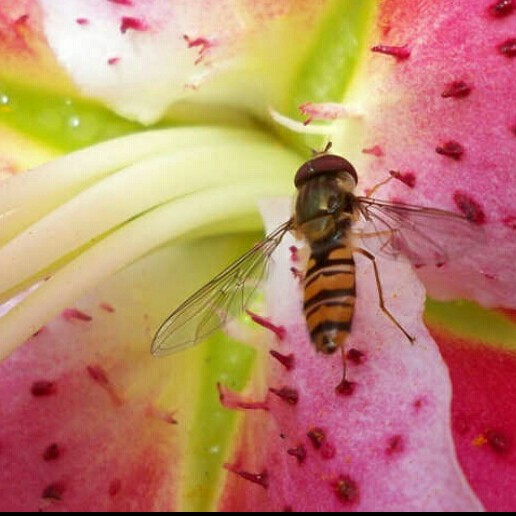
(335, 223)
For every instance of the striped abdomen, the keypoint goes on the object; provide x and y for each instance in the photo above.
(330, 294)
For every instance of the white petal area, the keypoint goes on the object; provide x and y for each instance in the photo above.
(141, 71)
(392, 436)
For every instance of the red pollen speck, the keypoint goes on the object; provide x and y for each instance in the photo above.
(128, 3)
(328, 451)
(299, 453)
(294, 253)
(287, 361)
(203, 44)
(279, 331)
(72, 314)
(376, 150)
(498, 441)
(347, 490)
(356, 356)
(317, 437)
(129, 23)
(287, 394)
(113, 61)
(510, 222)
(395, 444)
(399, 52)
(43, 389)
(54, 492)
(52, 453)
(115, 487)
(508, 47)
(345, 388)
(98, 375)
(82, 21)
(451, 149)
(107, 308)
(408, 178)
(262, 479)
(502, 8)
(469, 207)
(457, 90)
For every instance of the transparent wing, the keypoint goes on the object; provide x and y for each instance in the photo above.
(225, 296)
(426, 236)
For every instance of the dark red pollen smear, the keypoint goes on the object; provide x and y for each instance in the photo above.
(328, 451)
(408, 178)
(400, 53)
(43, 388)
(299, 453)
(317, 437)
(129, 23)
(128, 3)
(347, 490)
(294, 253)
(508, 47)
(510, 222)
(287, 361)
(498, 441)
(98, 375)
(115, 487)
(502, 8)
(451, 149)
(287, 394)
(261, 479)
(54, 492)
(469, 207)
(51, 453)
(457, 90)
(395, 445)
(82, 21)
(345, 388)
(356, 356)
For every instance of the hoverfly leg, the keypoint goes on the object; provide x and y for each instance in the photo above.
(384, 309)
(377, 186)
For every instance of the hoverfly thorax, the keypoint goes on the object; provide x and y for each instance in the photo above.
(325, 203)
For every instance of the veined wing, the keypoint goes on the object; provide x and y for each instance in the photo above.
(225, 296)
(426, 236)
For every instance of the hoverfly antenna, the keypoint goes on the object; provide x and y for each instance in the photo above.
(326, 149)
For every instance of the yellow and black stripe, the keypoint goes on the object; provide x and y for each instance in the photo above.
(330, 294)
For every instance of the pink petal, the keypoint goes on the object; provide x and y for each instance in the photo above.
(484, 425)
(444, 114)
(80, 432)
(386, 445)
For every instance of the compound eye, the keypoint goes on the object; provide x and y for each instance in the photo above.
(324, 164)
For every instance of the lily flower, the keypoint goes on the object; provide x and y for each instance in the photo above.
(138, 139)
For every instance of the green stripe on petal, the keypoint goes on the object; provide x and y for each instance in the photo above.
(470, 321)
(334, 57)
